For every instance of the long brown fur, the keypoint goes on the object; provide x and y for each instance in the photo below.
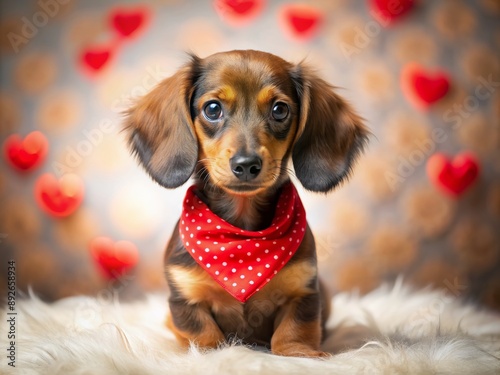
(174, 141)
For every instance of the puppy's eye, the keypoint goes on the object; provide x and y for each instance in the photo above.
(280, 111)
(212, 111)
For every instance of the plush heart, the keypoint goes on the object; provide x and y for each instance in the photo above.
(113, 258)
(238, 12)
(453, 176)
(301, 22)
(423, 88)
(28, 153)
(388, 11)
(128, 22)
(59, 198)
(94, 59)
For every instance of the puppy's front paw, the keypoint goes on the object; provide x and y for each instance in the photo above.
(299, 350)
(210, 340)
(211, 336)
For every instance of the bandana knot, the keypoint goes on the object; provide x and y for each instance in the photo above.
(242, 261)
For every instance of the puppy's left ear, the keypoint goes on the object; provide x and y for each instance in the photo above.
(330, 134)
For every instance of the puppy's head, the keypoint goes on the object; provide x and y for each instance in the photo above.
(237, 118)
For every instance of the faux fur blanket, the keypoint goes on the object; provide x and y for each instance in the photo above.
(408, 332)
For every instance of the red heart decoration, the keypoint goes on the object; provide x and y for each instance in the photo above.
(300, 22)
(28, 153)
(59, 198)
(238, 12)
(423, 88)
(128, 22)
(388, 11)
(95, 58)
(114, 258)
(453, 177)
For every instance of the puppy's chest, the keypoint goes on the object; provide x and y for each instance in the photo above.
(198, 287)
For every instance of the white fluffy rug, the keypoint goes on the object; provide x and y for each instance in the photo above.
(414, 332)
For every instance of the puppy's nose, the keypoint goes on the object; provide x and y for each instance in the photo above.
(245, 167)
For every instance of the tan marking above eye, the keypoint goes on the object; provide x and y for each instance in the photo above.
(265, 95)
(227, 94)
(269, 95)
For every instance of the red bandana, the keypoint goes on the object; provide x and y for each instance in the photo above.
(242, 261)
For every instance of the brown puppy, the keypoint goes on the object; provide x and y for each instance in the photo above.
(234, 120)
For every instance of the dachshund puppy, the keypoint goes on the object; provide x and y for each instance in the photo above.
(241, 262)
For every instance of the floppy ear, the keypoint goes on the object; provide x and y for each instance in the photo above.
(330, 134)
(160, 129)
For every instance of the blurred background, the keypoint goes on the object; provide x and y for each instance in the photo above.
(78, 216)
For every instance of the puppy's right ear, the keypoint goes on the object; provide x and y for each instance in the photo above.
(160, 129)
